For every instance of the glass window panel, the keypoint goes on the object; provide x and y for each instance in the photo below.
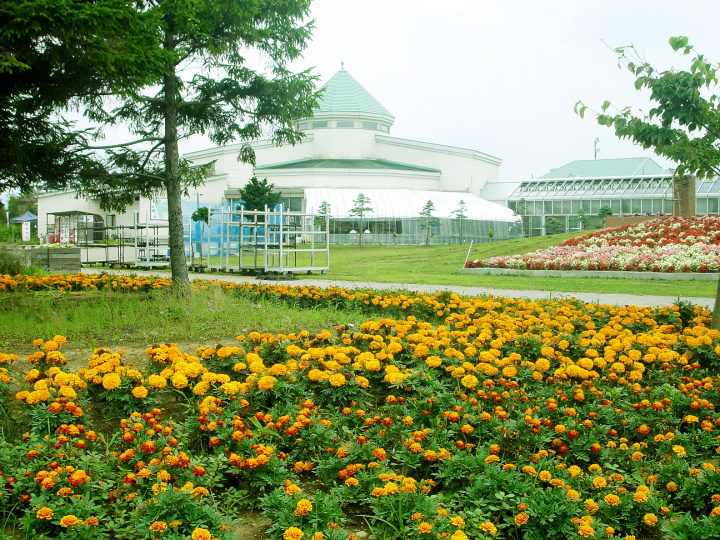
(635, 206)
(702, 205)
(322, 124)
(626, 207)
(548, 207)
(369, 125)
(646, 206)
(566, 207)
(576, 205)
(616, 206)
(712, 206)
(667, 206)
(345, 124)
(594, 206)
(585, 205)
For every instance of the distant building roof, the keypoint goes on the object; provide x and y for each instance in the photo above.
(346, 164)
(343, 94)
(599, 168)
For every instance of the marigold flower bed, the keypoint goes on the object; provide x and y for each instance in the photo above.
(442, 417)
(665, 244)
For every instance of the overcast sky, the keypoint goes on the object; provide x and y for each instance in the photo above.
(503, 76)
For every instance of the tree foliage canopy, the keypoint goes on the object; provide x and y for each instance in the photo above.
(257, 194)
(683, 124)
(56, 55)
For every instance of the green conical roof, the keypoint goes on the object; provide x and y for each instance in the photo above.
(343, 94)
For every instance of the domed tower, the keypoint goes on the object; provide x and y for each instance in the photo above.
(345, 104)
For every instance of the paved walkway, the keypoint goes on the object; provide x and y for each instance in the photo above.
(595, 298)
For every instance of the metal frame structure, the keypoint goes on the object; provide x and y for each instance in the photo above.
(266, 241)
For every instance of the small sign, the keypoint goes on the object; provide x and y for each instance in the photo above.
(26, 225)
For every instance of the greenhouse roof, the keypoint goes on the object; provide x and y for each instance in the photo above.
(406, 204)
(343, 94)
(598, 168)
(347, 164)
(594, 188)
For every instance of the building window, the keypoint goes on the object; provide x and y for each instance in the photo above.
(304, 126)
(384, 128)
(369, 125)
(322, 124)
(345, 124)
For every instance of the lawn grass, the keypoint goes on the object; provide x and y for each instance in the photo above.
(114, 320)
(441, 265)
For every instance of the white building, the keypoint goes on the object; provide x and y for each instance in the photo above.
(347, 150)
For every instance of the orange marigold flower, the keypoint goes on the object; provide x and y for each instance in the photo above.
(44, 513)
(521, 519)
(70, 521)
(612, 500)
(303, 507)
(158, 526)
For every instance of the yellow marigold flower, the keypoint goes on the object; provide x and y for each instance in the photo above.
(650, 520)
(509, 371)
(545, 476)
(50, 345)
(640, 496)
(201, 534)
(266, 382)
(612, 500)
(140, 392)
(433, 361)
(459, 535)
(337, 380)
(586, 530)
(293, 533)
(110, 381)
(457, 521)
(679, 450)
(37, 342)
(488, 527)
(179, 381)
(424, 527)
(469, 381)
(521, 519)
(599, 482)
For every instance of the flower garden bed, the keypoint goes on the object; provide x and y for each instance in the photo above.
(666, 244)
(440, 417)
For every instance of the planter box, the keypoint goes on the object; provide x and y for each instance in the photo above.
(58, 260)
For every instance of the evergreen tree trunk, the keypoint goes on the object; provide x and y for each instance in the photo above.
(173, 185)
